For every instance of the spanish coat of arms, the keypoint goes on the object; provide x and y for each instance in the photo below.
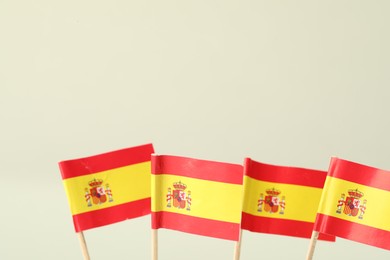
(271, 203)
(353, 205)
(179, 197)
(97, 193)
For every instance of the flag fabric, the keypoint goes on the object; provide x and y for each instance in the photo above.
(281, 200)
(354, 204)
(197, 196)
(108, 188)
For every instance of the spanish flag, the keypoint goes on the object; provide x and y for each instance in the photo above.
(197, 196)
(355, 204)
(108, 188)
(281, 200)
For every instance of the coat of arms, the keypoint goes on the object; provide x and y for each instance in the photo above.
(179, 197)
(352, 204)
(271, 202)
(97, 193)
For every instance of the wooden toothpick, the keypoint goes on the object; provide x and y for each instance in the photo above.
(154, 244)
(237, 249)
(312, 245)
(83, 245)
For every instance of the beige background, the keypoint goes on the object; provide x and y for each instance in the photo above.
(283, 82)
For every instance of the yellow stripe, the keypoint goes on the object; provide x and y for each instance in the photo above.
(210, 199)
(301, 202)
(377, 210)
(127, 184)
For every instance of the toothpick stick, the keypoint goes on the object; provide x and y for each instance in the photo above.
(83, 245)
(237, 249)
(154, 244)
(313, 241)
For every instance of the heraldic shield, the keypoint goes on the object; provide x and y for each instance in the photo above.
(179, 199)
(271, 202)
(352, 206)
(98, 195)
(179, 195)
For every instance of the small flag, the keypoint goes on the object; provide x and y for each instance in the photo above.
(281, 200)
(108, 188)
(197, 196)
(354, 204)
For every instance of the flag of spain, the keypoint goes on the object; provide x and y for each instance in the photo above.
(281, 200)
(108, 188)
(197, 196)
(354, 204)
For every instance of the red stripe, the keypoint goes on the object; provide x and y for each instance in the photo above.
(105, 161)
(353, 231)
(196, 225)
(277, 226)
(200, 169)
(284, 174)
(359, 173)
(102, 217)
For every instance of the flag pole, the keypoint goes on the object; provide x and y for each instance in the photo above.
(237, 249)
(313, 241)
(83, 245)
(154, 244)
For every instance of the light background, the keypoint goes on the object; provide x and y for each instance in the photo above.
(283, 82)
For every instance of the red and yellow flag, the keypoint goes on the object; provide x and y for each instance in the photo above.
(108, 188)
(197, 196)
(281, 200)
(354, 204)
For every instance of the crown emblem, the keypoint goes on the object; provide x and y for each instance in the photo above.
(272, 192)
(95, 183)
(179, 186)
(355, 194)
